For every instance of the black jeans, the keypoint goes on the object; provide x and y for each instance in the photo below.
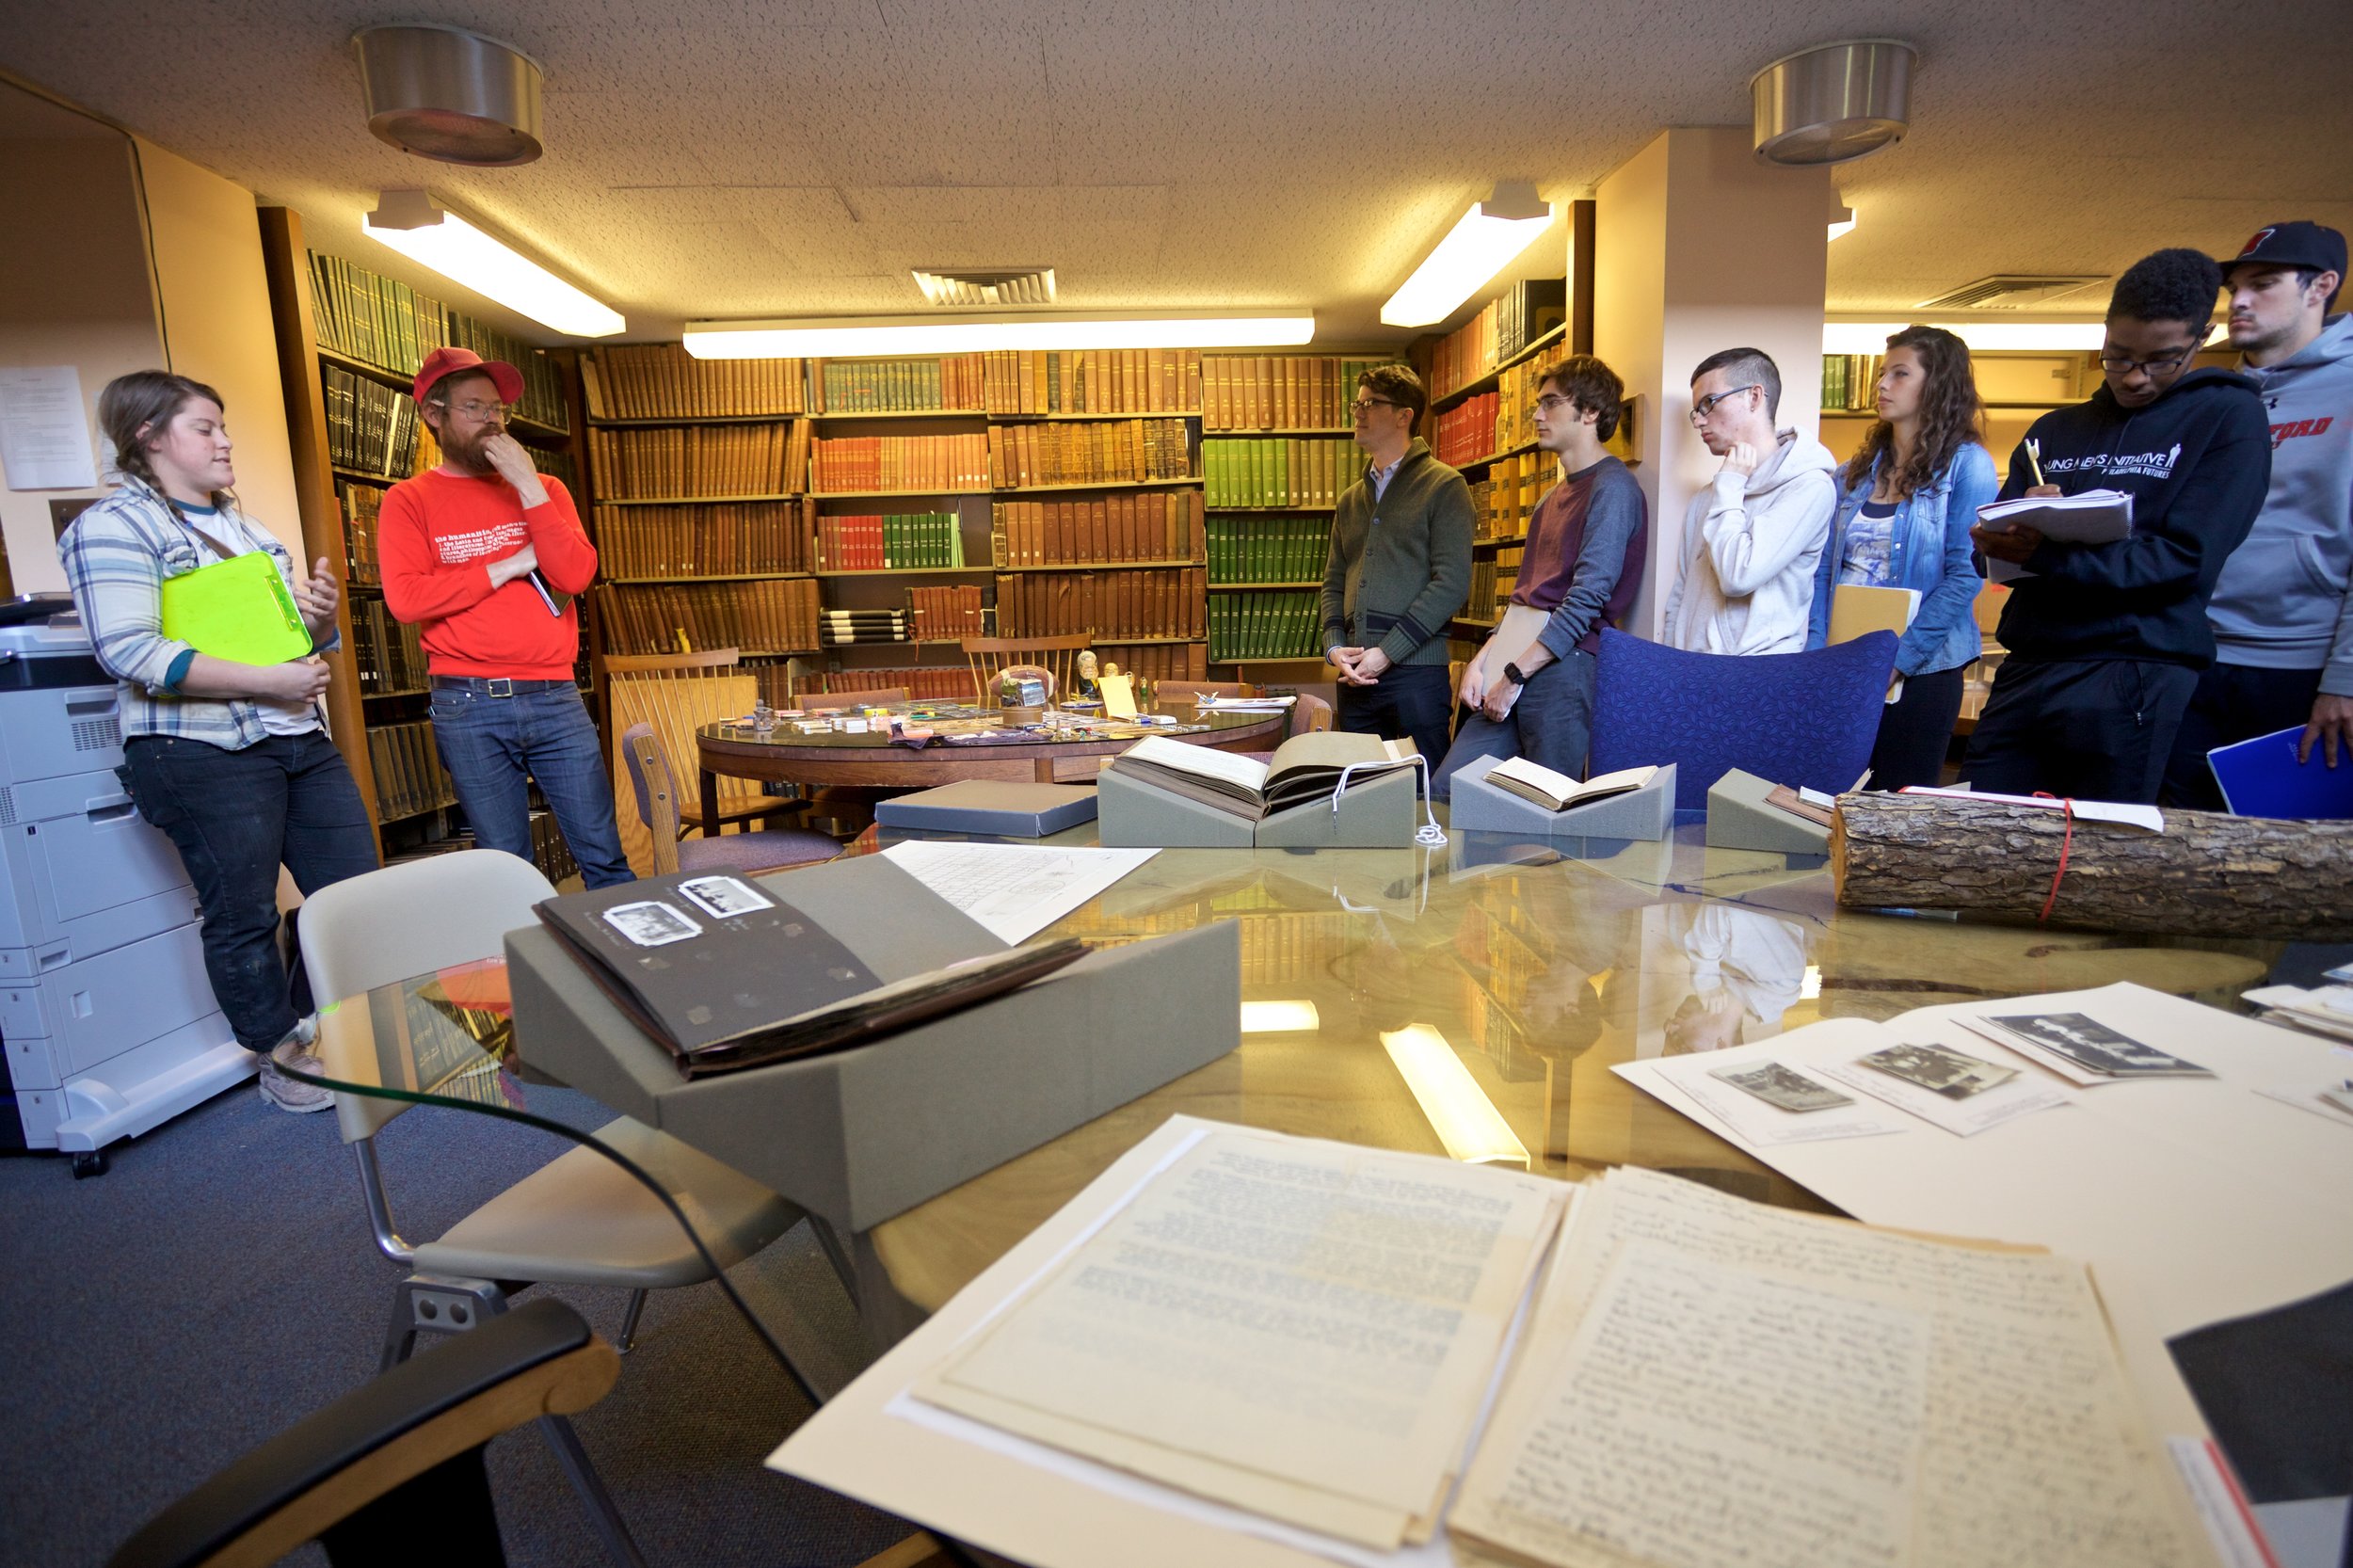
(2232, 703)
(1412, 700)
(2090, 729)
(1916, 730)
(235, 817)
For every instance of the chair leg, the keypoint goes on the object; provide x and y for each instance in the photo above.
(629, 1320)
(610, 1527)
(436, 1303)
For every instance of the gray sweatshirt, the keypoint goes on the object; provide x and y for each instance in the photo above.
(1745, 577)
(2286, 597)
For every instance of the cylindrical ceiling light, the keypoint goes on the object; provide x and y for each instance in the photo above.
(1832, 103)
(443, 92)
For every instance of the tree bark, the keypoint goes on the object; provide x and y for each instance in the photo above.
(2207, 872)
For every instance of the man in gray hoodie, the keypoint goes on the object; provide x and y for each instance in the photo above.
(2282, 611)
(1745, 577)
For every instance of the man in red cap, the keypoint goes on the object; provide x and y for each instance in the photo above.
(485, 554)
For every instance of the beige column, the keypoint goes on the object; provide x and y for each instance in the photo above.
(1699, 246)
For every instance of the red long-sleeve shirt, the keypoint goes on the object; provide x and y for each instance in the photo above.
(437, 537)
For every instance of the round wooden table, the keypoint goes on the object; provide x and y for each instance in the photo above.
(786, 756)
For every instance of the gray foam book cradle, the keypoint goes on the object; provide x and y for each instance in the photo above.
(1479, 807)
(1738, 818)
(1375, 814)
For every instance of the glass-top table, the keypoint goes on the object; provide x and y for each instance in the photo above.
(1533, 969)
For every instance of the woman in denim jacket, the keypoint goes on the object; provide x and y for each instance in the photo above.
(1908, 498)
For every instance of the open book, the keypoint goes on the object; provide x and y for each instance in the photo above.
(723, 974)
(1240, 1340)
(2089, 517)
(1557, 792)
(1304, 768)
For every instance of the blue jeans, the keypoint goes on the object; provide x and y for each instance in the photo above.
(235, 817)
(1407, 701)
(491, 745)
(1551, 724)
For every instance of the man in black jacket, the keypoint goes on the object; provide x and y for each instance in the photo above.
(2105, 640)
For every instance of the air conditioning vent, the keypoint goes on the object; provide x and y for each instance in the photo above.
(2010, 290)
(987, 290)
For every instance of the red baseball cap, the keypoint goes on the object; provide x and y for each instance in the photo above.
(448, 361)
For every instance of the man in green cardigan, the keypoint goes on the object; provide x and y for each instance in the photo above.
(1399, 571)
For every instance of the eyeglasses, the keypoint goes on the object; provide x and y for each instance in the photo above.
(1706, 406)
(1362, 404)
(1553, 403)
(2124, 364)
(476, 411)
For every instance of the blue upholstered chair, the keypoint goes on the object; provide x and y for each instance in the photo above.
(1802, 719)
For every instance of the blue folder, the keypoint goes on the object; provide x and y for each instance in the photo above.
(2261, 778)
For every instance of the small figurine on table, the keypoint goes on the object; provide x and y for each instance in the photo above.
(1087, 673)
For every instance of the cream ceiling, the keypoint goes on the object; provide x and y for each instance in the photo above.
(725, 157)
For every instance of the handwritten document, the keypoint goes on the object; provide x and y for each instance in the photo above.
(1014, 890)
(1300, 1328)
(2029, 1449)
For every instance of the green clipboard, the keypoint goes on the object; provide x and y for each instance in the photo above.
(238, 610)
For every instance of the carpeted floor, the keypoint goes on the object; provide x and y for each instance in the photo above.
(219, 1283)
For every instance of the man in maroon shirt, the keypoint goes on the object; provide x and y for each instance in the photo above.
(1530, 689)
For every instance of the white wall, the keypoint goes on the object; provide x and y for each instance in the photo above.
(1697, 248)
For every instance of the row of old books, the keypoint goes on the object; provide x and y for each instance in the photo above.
(855, 628)
(946, 614)
(1107, 604)
(890, 541)
(738, 538)
(370, 427)
(661, 380)
(1278, 391)
(901, 465)
(1268, 550)
(358, 504)
(700, 462)
(1466, 432)
(1265, 626)
(1158, 662)
(1092, 381)
(1850, 382)
(1292, 945)
(1504, 499)
(409, 780)
(775, 615)
(926, 682)
(949, 384)
(1492, 583)
(1153, 525)
(1120, 452)
(1279, 470)
(382, 322)
(543, 401)
(1505, 328)
(386, 656)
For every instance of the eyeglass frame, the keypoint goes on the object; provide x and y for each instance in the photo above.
(1365, 405)
(477, 411)
(1706, 407)
(2123, 365)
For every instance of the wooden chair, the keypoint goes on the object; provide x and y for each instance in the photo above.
(881, 696)
(1310, 715)
(401, 1454)
(678, 693)
(656, 790)
(1054, 658)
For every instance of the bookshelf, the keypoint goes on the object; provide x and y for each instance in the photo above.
(348, 345)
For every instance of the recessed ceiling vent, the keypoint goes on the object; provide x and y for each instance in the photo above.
(2010, 290)
(1832, 103)
(987, 290)
(446, 93)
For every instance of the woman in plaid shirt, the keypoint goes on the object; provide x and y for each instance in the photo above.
(231, 761)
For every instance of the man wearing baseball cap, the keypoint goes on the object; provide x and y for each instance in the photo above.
(2282, 611)
(485, 554)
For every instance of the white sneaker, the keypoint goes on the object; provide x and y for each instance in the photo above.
(288, 1093)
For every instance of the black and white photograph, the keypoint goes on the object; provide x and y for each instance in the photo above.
(2093, 1046)
(1784, 1087)
(725, 897)
(1939, 1070)
(651, 923)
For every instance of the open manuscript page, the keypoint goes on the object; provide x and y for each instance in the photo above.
(1707, 1381)
(1300, 1328)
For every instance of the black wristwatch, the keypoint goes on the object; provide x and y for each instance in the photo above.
(1512, 673)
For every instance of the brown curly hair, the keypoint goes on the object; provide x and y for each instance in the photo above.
(1951, 413)
(140, 405)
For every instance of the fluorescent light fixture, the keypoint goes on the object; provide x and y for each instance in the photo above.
(1280, 1018)
(1467, 1121)
(1841, 217)
(1482, 244)
(409, 222)
(849, 337)
(1870, 337)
